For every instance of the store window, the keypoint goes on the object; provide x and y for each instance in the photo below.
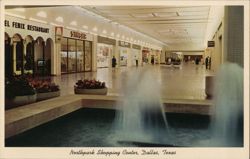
(80, 57)
(64, 55)
(88, 51)
(76, 55)
(71, 55)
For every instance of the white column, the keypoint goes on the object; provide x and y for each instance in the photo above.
(14, 57)
(129, 56)
(116, 52)
(57, 59)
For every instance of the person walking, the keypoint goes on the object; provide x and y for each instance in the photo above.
(206, 62)
(113, 62)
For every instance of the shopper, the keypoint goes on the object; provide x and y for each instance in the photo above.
(113, 61)
(152, 60)
(206, 62)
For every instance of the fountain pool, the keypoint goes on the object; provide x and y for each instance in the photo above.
(89, 127)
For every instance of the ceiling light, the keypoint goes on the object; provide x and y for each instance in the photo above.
(59, 19)
(85, 26)
(112, 34)
(95, 29)
(104, 32)
(74, 23)
(42, 14)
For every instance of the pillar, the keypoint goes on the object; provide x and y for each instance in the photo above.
(234, 34)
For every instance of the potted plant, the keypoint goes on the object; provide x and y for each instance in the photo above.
(45, 89)
(18, 91)
(90, 87)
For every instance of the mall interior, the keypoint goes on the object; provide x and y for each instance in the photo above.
(67, 65)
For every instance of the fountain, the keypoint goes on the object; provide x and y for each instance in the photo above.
(227, 119)
(140, 117)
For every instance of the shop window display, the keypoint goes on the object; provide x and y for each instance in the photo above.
(64, 55)
(80, 57)
(71, 55)
(88, 51)
(104, 53)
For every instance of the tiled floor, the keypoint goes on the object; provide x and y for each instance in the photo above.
(185, 83)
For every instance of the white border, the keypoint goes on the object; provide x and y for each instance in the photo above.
(228, 153)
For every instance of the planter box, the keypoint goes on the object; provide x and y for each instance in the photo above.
(209, 86)
(47, 95)
(20, 100)
(102, 91)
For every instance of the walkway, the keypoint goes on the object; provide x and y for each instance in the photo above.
(185, 83)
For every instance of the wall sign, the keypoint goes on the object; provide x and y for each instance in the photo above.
(77, 35)
(138, 47)
(124, 44)
(104, 40)
(210, 44)
(30, 27)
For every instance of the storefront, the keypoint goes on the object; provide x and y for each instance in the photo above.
(136, 55)
(124, 53)
(76, 52)
(145, 55)
(29, 47)
(105, 51)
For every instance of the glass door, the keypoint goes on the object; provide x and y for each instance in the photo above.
(71, 55)
(64, 51)
(80, 57)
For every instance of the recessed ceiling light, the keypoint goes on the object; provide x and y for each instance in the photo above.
(42, 14)
(74, 23)
(85, 26)
(104, 32)
(59, 19)
(95, 29)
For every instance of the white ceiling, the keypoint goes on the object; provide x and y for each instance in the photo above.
(179, 27)
(172, 25)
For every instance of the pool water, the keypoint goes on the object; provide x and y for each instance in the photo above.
(94, 128)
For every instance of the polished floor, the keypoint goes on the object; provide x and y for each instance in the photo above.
(187, 82)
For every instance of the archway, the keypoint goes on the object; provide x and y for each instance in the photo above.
(8, 56)
(18, 54)
(49, 55)
(39, 61)
(29, 55)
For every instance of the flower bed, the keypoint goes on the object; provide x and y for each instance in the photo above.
(45, 89)
(22, 90)
(18, 91)
(90, 87)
